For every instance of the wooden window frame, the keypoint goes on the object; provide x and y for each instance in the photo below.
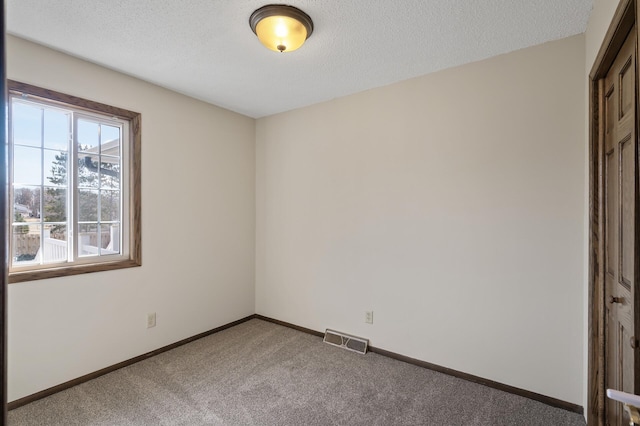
(134, 257)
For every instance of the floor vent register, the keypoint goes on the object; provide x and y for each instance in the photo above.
(346, 341)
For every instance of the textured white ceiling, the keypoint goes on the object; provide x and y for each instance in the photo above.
(205, 48)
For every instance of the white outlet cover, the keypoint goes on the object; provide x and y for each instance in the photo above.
(368, 318)
(151, 320)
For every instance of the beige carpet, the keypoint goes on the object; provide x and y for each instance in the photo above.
(259, 373)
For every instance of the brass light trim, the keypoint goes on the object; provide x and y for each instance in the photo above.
(281, 28)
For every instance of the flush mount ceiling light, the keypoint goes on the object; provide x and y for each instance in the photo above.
(281, 28)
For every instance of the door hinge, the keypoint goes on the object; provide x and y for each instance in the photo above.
(634, 342)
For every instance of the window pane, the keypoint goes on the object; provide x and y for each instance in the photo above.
(26, 165)
(87, 205)
(55, 243)
(88, 137)
(25, 246)
(109, 206)
(55, 167)
(56, 129)
(110, 172)
(110, 238)
(55, 204)
(26, 124)
(26, 203)
(110, 140)
(88, 239)
(87, 171)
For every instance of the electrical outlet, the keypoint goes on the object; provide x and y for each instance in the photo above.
(151, 320)
(368, 317)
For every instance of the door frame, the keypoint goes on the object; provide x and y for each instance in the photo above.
(623, 22)
(4, 217)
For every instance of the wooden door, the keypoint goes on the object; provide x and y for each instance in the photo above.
(620, 193)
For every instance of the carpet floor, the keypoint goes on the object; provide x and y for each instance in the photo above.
(259, 373)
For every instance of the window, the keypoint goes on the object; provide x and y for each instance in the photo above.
(74, 176)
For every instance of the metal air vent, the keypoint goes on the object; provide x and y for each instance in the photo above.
(343, 340)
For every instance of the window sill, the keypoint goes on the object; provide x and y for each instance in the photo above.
(68, 270)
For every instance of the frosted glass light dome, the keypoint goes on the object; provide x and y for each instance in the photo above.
(281, 28)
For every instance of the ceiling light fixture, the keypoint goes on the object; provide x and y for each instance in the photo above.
(281, 28)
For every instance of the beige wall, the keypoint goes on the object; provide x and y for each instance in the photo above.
(599, 22)
(451, 205)
(198, 213)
